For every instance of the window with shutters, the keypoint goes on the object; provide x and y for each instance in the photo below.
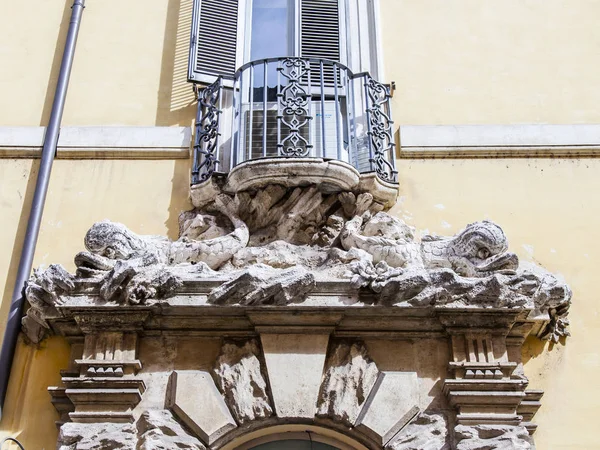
(289, 78)
(229, 33)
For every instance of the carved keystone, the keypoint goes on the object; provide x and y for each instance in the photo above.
(349, 378)
(295, 364)
(239, 375)
(193, 397)
(391, 405)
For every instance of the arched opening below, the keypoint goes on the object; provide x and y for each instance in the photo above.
(292, 444)
(294, 437)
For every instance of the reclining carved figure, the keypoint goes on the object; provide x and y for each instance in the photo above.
(136, 263)
(113, 244)
(477, 251)
(472, 268)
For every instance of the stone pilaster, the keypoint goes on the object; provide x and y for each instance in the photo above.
(101, 383)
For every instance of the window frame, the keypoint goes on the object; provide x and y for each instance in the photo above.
(246, 41)
(296, 435)
(360, 51)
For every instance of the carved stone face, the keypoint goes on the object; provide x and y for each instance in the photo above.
(112, 240)
(384, 225)
(204, 226)
(485, 246)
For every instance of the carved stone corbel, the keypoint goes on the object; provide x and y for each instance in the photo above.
(486, 389)
(102, 383)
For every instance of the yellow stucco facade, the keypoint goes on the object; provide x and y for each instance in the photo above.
(466, 62)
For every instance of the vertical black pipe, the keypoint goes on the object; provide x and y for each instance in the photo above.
(13, 325)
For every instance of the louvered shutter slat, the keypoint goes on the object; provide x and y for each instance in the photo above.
(214, 40)
(320, 35)
(320, 29)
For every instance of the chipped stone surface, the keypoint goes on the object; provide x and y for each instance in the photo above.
(263, 285)
(241, 380)
(391, 406)
(428, 431)
(97, 436)
(350, 375)
(42, 292)
(492, 437)
(195, 401)
(280, 255)
(158, 430)
(294, 264)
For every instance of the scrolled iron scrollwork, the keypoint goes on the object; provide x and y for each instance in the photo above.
(207, 132)
(293, 100)
(380, 131)
(352, 126)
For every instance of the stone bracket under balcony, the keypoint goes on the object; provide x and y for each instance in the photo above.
(330, 176)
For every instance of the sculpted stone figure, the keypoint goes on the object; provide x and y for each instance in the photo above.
(116, 242)
(272, 246)
(473, 267)
(384, 237)
(113, 247)
(478, 250)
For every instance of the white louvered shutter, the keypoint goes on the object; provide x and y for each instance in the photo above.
(320, 29)
(320, 38)
(213, 44)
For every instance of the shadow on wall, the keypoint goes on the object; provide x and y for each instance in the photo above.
(180, 201)
(176, 104)
(56, 60)
(18, 244)
(534, 347)
(28, 413)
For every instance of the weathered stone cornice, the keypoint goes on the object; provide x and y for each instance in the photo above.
(182, 314)
(295, 281)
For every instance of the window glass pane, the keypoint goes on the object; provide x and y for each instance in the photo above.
(294, 444)
(271, 32)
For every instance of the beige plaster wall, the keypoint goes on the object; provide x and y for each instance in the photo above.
(146, 195)
(129, 68)
(494, 61)
(549, 212)
(29, 60)
(467, 62)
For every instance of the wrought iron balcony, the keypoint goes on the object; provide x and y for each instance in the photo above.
(294, 108)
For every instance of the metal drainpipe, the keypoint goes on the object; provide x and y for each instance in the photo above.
(13, 326)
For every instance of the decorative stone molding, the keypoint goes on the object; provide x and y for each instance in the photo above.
(499, 141)
(330, 175)
(274, 273)
(193, 397)
(350, 375)
(239, 375)
(99, 142)
(106, 388)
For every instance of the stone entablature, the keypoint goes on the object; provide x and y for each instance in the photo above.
(298, 285)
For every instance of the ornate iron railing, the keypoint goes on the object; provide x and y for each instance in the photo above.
(294, 107)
